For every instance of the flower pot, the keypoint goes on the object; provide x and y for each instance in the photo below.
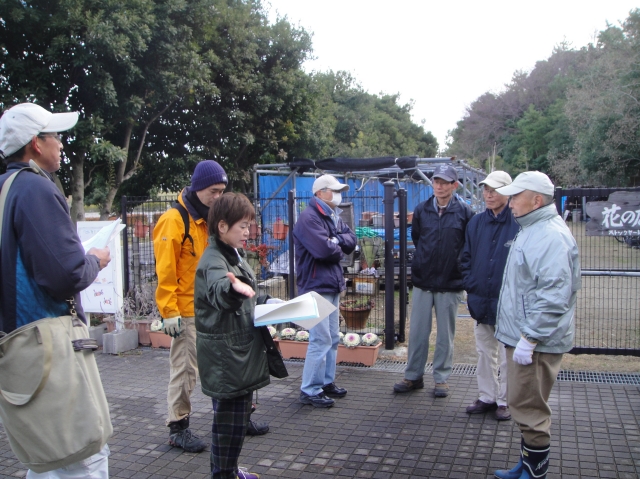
(254, 231)
(279, 230)
(292, 349)
(355, 317)
(366, 355)
(140, 230)
(160, 340)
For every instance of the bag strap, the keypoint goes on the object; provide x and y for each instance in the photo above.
(46, 339)
(5, 191)
(185, 219)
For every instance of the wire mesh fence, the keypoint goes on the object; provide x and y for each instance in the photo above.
(608, 312)
(607, 316)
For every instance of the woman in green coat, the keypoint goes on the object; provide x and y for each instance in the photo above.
(231, 353)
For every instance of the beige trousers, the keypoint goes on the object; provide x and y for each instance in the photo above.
(528, 391)
(184, 371)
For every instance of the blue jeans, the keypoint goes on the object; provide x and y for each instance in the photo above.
(320, 363)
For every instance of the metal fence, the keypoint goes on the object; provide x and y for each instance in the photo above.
(607, 317)
(608, 312)
(363, 308)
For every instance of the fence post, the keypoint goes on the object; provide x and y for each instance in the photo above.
(402, 271)
(389, 310)
(292, 260)
(558, 199)
(125, 242)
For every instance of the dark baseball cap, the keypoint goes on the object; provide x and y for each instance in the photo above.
(446, 172)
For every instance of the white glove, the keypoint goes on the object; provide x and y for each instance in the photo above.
(156, 325)
(274, 301)
(171, 326)
(524, 352)
(334, 240)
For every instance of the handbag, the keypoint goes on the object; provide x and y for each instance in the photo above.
(52, 403)
(274, 359)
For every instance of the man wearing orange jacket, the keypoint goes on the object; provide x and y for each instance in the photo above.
(178, 247)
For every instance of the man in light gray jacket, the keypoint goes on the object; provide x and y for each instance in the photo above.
(535, 317)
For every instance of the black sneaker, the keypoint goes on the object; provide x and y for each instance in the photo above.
(257, 428)
(319, 400)
(334, 391)
(187, 441)
(407, 385)
(480, 407)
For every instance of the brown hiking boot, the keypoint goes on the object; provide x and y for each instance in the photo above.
(441, 390)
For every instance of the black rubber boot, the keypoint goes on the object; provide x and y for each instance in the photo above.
(181, 436)
(535, 462)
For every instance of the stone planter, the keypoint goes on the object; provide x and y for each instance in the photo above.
(96, 332)
(366, 355)
(140, 325)
(160, 340)
(292, 349)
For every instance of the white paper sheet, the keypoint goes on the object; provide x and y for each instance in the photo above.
(306, 311)
(103, 237)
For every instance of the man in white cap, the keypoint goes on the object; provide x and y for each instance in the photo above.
(42, 261)
(535, 318)
(321, 239)
(488, 238)
(437, 232)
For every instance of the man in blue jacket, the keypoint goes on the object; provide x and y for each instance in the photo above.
(321, 239)
(488, 239)
(42, 261)
(438, 235)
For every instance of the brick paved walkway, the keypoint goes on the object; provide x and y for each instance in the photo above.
(371, 433)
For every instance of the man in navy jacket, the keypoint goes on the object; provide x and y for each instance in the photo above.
(42, 261)
(438, 235)
(321, 239)
(488, 239)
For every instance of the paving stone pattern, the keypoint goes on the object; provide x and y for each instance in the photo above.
(371, 433)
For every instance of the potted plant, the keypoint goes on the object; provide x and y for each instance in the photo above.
(357, 349)
(292, 343)
(257, 256)
(356, 311)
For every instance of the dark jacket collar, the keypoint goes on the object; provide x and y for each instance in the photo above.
(228, 252)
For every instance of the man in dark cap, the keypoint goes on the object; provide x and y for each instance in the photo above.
(179, 239)
(437, 231)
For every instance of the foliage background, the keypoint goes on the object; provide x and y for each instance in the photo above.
(576, 115)
(162, 84)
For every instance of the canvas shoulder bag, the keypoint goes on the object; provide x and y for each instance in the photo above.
(52, 403)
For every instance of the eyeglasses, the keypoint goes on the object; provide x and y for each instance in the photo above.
(56, 136)
(489, 192)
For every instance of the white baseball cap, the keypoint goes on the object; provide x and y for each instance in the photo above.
(496, 179)
(329, 182)
(529, 180)
(24, 121)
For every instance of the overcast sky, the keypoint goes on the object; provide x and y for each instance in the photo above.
(445, 54)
